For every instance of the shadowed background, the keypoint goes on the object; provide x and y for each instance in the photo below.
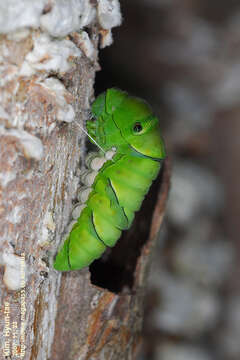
(183, 57)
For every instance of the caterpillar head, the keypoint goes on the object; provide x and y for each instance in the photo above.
(129, 123)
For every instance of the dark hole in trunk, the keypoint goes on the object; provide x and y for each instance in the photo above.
(115, 270)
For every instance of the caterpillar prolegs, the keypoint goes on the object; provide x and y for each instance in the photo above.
(118, 178)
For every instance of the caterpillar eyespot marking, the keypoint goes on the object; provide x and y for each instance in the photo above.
(117, 179)
(137, 127)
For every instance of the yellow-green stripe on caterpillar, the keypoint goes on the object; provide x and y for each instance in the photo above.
(117, 179)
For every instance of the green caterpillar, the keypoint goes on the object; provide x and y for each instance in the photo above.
(120, 176)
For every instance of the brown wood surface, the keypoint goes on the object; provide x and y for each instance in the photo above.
(94, 314)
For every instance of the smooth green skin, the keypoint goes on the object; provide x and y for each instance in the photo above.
(122, 183)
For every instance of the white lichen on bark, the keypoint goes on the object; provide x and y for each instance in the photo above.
(47, 66)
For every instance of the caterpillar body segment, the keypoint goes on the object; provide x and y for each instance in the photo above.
(127, 131)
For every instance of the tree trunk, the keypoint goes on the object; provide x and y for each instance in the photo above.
(47, 67)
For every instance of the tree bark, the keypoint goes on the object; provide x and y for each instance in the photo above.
(46, 82)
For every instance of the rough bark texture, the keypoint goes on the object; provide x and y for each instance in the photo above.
(36, 198)
(40, 149)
